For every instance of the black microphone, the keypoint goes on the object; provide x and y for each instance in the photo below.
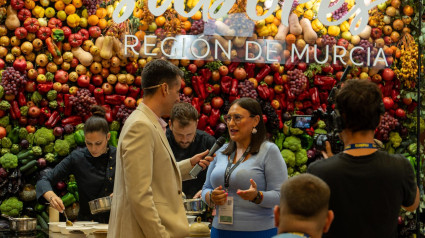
(217, 145)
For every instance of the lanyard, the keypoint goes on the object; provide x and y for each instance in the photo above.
(304, 235)
(230, 169)
(360, 146)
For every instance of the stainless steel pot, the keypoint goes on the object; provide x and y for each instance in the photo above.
(194, 206)
(21, 224)
(100, 205)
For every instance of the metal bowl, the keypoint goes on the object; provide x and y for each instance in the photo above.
(194, 206)
(23, 224)
(100, 205)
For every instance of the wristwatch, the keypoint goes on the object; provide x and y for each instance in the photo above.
(258, 198)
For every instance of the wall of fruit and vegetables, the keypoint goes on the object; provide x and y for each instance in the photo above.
(58, 57)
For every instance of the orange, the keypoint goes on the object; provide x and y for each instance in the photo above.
(140, 35)
(70, 9)
(182, 18)
(93, 20)
(101, 12)
(143, 25)
(187, 25)
(77, 3)
(137, 12)
(59, 5)
(102, 23)
(160, 21)
(276, 21)
(197, 16)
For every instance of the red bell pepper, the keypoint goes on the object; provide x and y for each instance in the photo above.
(250, 70)
(68, 106)
(133, 91)
(99, 96)
(92, 88)
(233, 98)
(290, 65)
(289, 95)
(43, 88)
(226, 83)
(324, 82)
(115, 111)
(24, 14)
(54, 23)
(214, 117)
(314, 95)
(307, 104)
(263, 91)
(197, 104)
(263, 73)
(72, 120)
(44, 32)
(277, 79)
(323, 96)
(232, 66)
(395, 95)
(234, 87)
(203, 122)
(114, 99)
(205, 74)
(46, 112)
(304, 95)
(61, 104)
(108, 113)
(209, 130)
(32, 25)
(22, 99)
(198, 84)
(52, 47)
(290, 107)
(282, 101)
(15, 111)
(53, 119)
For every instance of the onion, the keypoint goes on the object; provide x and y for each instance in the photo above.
(24, 144)
(220, 129)
(311, 154)
(68, 129)
(41, 162)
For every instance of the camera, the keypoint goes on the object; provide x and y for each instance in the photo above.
(301, 121)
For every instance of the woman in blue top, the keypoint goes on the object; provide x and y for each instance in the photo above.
(244, 180)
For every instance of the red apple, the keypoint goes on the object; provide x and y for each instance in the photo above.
(121, 88)
(74, 62)
(107, 88)
(302, 66)
(83, 81)
(388, 74)
(97, 80)
(61, 76)
(57, 87)
(20, 64)
(223, 70)
(192, 68)
(388, 102)
(95, 31)
(240, 73)
(206, 108)
(268, 80)
(376, 33)
(278, 89)
(2, 64)
(275, 66)
(388, 40)
(217, 102)
(343, 42)
(400, 113)
(65, 88)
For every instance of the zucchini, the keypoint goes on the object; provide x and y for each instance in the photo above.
(45, 217)
(30, 171)
(26, 161)
(42, 223)
(28, 166)
(24, 154)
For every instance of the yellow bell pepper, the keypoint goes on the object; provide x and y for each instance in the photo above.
(334, 30)
(317, 25)
(38, 12)
(309, 14)
(345, 26)
(323, 31)
(73, 20)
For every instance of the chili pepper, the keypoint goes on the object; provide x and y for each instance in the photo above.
(46, 112)
(233, 66)
(99, 96)
(272, 96)
(324, 82)
(214, 117)
(15, 108)
(52, 119)
(226, 82)
(203, 122)
(290, 65)
(263, 73)
(209, 131)
(314, 94)
(43, 88)
(73, 120)
(250, 69)
(310, 131)
(58, 35)
(282, 101)
(115, 111)
(279, 115)
(13, 135)
(68, 199)
(197, 104)
(206, 74)
(52, 47)
(234, 88)
(59, 100)
(263, 91)
(68, 106)
(290, 96)
(114, 99)
(195, 85)
(22, 99)
(277, 79)
(108, 113)
(133, 91)
(113, 140)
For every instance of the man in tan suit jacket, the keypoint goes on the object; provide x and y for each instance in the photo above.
(147, 198)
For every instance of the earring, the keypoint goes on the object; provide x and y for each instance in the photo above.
(254, 131)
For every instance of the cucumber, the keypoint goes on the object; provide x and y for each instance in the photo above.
(42, 223)
(45, 217)
(30, 171)
(26, 161)
(28, 166)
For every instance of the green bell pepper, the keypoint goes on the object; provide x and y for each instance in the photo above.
(68, 199)
(58, 35)
(39, 207)
(14, 135)
(79, 137)
(113, 141)
(306, 141)
(72, 187)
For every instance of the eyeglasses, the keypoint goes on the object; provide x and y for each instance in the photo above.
(237, 118)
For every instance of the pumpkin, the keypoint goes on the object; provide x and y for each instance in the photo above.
(334, 30)
(345, 26)
(317, 25)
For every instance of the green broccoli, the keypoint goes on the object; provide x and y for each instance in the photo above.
(296, 131)
(37, 150)
(15, 149)
(289, 157)
(293, 143)
(4, 121)
(50, 157)
(53, 104)
(303, 168)
(30, 138)
(24, 110)
(44, 136)
(115, 126)
(50, 77)
(320, 131)
(36, 97)
(4, 151)
(6, 142)
(395, 139)
(79, 127)
(301, 157)
(23, 133)
(4, 105)
(9, 161)
(62, 147)
(321, 124)
(290, 171)
(50, 148)
(71, 141)
(51, 95)
(11, 206)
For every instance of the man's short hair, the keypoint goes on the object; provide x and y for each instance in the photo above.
(157, 72)
(305, 196)
(184, 113)
(359, 103)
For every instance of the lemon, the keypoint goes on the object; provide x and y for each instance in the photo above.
(50, 12)
(83, 22)
(61, 15)
(84, 13)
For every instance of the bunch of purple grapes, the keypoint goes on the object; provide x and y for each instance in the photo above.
(298, 81)
(246, 89)
(184, 98)
(339, 13)
(123, 113)
(91, 6)
(13, 81)
(197, 27)
(329, 40)
(82, 102)
(360, 55)
(387, 124)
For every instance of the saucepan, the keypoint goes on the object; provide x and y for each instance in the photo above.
(100, 205)
(194, 206)
(21, 224)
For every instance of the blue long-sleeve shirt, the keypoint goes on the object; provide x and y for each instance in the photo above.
(268, 169)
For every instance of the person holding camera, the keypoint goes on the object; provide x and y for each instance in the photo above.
(368, 186)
